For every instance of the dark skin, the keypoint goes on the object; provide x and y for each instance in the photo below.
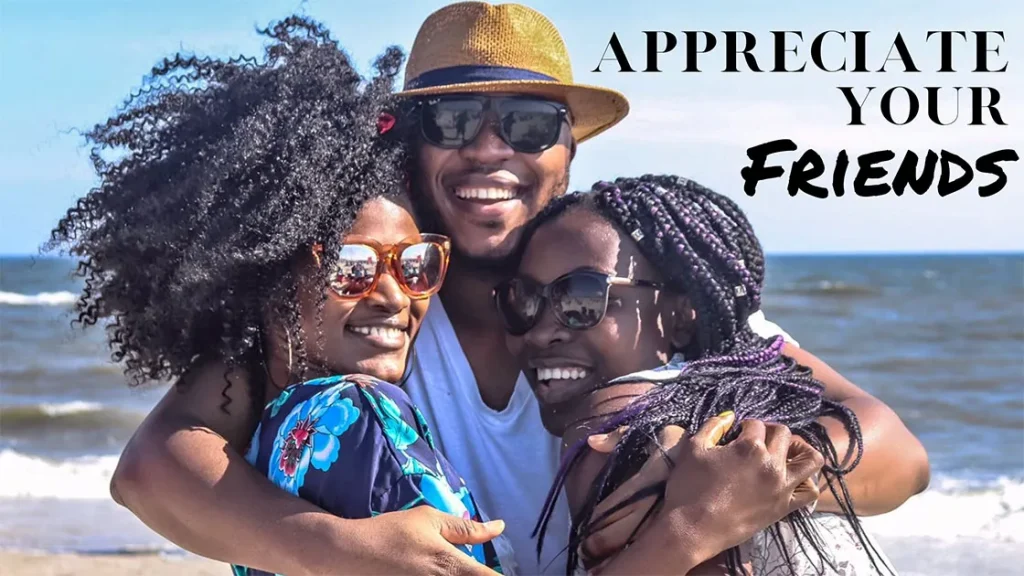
(188, 451)
(488, 231)
(879, 485)
(185, 461)
(344, 350)
(643, 327)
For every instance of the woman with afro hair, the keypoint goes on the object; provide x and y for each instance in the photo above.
(250, 220)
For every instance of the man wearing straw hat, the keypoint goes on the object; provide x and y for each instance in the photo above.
(499, 119)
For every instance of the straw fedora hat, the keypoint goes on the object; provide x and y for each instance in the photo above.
(479, 47)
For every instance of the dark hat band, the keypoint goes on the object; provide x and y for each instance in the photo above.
(472, 73)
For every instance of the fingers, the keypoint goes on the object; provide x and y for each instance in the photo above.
(711, 433)
(616, 518)
(461, 531)
(752, 432)
(605, 443)
(668, 437)
(459, 564)
(803, 462)
(615, 531)
(806, 493)
(778, 439)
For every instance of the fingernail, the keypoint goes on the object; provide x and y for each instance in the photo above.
(727, 414)
(496, 524)
(597, 438)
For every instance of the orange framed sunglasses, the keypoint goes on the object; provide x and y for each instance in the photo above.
(419, 264)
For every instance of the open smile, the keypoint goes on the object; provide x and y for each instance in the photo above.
(384, 336)
(560, 382)
(489, 197)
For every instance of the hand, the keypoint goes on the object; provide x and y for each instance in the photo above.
(717, 497)
(422, 540)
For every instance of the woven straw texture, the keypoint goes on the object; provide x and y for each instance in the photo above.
(513, 36)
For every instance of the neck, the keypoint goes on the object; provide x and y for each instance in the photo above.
(282, 367)
(467, 299)
(593, 411)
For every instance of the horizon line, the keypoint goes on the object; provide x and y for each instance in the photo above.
(937, 252)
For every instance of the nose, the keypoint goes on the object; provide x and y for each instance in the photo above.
(388, 295)
(488, 148)
(546, 332)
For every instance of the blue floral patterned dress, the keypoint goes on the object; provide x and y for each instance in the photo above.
(357, 447)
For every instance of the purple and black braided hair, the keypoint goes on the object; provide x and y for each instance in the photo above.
(705, 248)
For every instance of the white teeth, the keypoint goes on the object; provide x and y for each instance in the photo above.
(485, 193)
(570, 373)
(378, 331)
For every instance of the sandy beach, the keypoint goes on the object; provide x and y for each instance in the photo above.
(43, 564)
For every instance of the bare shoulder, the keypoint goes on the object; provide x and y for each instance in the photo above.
(837, 387)
(215, 396)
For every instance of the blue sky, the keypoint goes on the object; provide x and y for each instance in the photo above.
(66, 64)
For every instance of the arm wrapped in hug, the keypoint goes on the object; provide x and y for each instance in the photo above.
(357, 447)
(760, 384)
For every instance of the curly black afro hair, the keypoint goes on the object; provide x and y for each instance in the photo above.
(212, 179)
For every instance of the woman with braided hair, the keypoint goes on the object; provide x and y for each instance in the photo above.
(630, 313)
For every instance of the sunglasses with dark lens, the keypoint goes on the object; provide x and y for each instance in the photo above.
(579, 299)
(528, 125)
(419, 265)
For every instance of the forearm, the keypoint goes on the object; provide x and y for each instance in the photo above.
(668, 546)
(894, 465)
(191, 487)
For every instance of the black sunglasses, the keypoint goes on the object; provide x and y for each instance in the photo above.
(529, 125)
(579, 299)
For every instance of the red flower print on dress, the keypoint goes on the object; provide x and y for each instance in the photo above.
(295, 443)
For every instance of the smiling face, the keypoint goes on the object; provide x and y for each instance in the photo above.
(484, 193)
(371, 335)
(640, 330)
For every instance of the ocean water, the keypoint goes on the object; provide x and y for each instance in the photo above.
(939, 338)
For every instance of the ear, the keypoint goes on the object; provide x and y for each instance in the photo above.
(684, 322)
(317, 250)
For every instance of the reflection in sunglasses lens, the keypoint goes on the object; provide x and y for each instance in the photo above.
(356, 269)
(579, 300)
(421, 266)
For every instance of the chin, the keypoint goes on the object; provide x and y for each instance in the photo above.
(554, 423)
(486, 247)
(386, 369)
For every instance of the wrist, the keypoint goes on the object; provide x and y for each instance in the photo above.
(677, 538)
(326, 544)
(667, 546)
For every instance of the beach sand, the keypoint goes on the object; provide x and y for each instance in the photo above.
(43, 564)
